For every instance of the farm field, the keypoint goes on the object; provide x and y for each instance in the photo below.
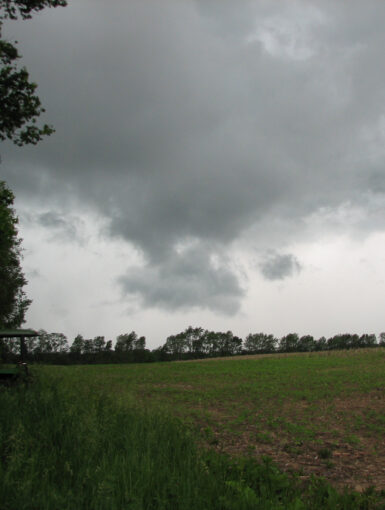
(317, 414)
(291, 432)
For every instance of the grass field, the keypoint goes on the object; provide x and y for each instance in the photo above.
(156, 434)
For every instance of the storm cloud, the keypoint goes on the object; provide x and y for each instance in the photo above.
(60, 226)
(279, 266)
(205, 121)
(187, 279)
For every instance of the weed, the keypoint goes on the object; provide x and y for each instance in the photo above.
(264, 437)
(353, 439)
(209, 436)
(293, 448)
(325, 453)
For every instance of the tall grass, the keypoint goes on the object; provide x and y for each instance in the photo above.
(63, 447)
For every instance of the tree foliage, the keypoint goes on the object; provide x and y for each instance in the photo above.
(13, 301)
(260, 343)
(20, 106)
(50, 342)
(19, 110)
(129, 341)
(12, 9)
(192, 343)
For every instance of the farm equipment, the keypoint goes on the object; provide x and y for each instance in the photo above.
(20, 371)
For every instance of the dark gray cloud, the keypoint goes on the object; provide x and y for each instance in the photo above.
(52, 219)
(278, 266)
(204, 120)
(61, 226)
(187, 279)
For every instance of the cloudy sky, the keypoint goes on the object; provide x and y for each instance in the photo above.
(215, 163)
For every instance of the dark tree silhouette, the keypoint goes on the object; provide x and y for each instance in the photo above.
(20, 107)
(13, 301)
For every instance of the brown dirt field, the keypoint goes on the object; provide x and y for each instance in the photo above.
(359, 465)
(340, 438)
(344, 352)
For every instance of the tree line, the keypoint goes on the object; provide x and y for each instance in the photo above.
(192, 343)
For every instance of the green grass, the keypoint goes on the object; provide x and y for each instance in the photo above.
(297, 395)
(154, 436)
(64, 446)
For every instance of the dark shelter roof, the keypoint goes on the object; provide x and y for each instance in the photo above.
(11, 333)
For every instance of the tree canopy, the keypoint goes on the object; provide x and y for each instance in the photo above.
(20, 106)
(19, 110)
(12, 8)
(13, 301)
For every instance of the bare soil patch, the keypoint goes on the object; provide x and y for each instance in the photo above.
(344, 459)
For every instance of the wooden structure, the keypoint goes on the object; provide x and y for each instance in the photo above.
(7, 374)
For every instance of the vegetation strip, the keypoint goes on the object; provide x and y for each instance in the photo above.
(192, 343)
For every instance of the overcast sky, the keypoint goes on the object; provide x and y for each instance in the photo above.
(215, 163)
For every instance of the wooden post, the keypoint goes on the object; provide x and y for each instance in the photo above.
(23, 351)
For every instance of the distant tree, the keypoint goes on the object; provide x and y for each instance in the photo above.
(43, 344)
(228, 344)
(252, 342)
(222, 342)
(270, 343)
(13, 300)
(236, 344)
(88, 346)
(321, 344)
(203, 345)
(368, 340)
(349, 341)
(211, 343)
(140, 343)
(58, 342)
(382, 339)
(9, 348)
(50, 342)
(126, 342)
(352, 341)
(99, 344)
(176, 345)
(4, 350)
(108, 347)
(77, 346)
(306, 343)
(340, 341)
(196, 342)
(289, 343)
(260, 343)
(192, 338)
(31, 344)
